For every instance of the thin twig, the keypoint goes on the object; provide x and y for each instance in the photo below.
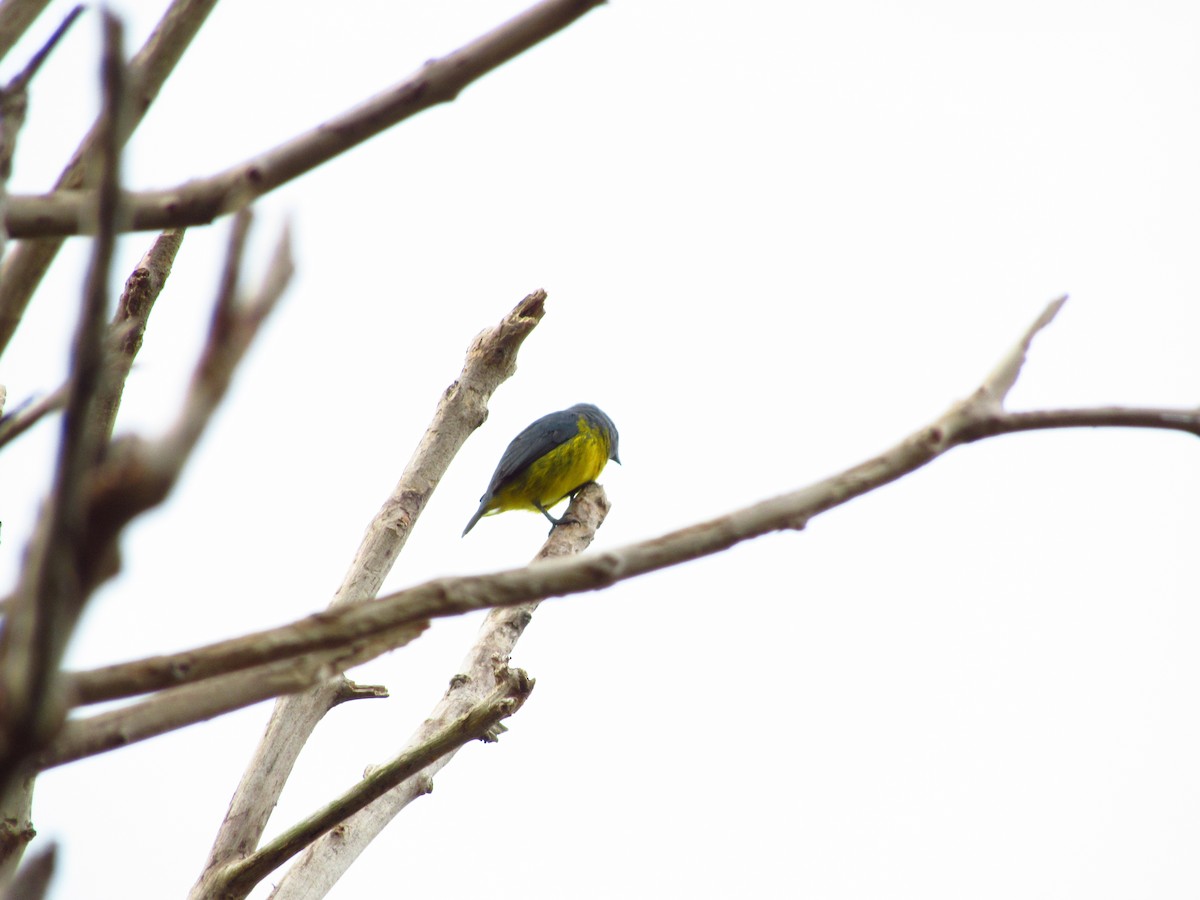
(202, 200)
(234, 325)
(1185, 420)
(14, 96)
(138, 474)
(15, 18)
(28, 414)
(25, 76)
(1002, 378)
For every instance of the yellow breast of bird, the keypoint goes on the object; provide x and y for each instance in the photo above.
(551, 478)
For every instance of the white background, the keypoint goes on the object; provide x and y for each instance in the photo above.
(776, 238)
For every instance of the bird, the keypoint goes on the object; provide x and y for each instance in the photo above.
(549, 461)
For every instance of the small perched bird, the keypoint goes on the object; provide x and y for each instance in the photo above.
(549, 461)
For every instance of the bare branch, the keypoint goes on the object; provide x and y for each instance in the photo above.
(482, 671)
(24, 267)
(203, 200)
(222, 694)
(33, 880)
(14, 98)
(313, 634)
(28, 414)
(348, 690)
(477, 724)
(136, 474)
(491, 359)
(246, 652)
(15, 18)
(129, 325)
(182, 706)
(1185, 420)
(25, 76)
(52, 591)
(233, 327)
(16, 826)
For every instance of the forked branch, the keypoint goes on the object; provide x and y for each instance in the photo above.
(979, 416)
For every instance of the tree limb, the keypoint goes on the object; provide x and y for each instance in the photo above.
(52, 591)
(203, 200)
(306, 636)
(482, 671)
(15, 18)
(24, 267)
(16, 827)
(187, 705)
(247, 653)
(32, 882)
(479, 723)
(982, 426)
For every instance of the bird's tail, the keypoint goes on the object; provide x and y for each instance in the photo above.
(475, 518)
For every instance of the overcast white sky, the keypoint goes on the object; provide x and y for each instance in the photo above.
(776, 239)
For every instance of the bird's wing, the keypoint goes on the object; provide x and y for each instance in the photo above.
(533, 443)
